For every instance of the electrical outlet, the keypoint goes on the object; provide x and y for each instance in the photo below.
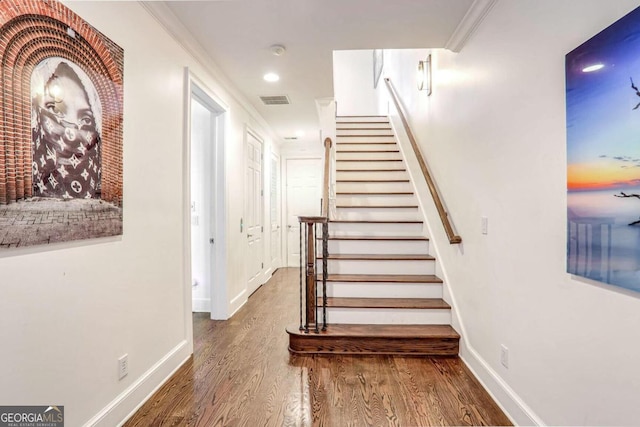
(123, 366)
(504, 356)
(485, 225)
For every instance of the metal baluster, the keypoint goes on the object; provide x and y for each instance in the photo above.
(315, 278)
(325, 255)
(301, 278)
(306, 263)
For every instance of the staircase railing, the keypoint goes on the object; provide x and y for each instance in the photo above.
(309, 226)
(433, 189)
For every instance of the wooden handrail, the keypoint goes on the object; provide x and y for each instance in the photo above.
(327, 181)
(437, 199)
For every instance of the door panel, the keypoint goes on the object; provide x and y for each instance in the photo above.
(275, 211)
(254, 212)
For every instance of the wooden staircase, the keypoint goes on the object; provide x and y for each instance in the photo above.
(383, 295)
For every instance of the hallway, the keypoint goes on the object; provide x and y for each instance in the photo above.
(242, 374)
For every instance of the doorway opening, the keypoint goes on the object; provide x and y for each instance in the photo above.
(303, 193)
(205, 243)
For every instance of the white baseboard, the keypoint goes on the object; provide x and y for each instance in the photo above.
(131, 399)
(201, 305)
(237, 302)
(508, 400)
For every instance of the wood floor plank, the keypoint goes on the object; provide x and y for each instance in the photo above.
(241, 374)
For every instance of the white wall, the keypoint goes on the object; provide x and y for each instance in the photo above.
(353, 74)
(69, 311)
(494, 134)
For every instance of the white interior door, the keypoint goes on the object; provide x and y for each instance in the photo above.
(304, 183)
(254, 212)
(275, 212)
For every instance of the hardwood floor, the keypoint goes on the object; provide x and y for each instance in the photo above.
(241, 374)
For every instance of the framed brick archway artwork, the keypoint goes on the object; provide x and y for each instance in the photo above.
(60, 127)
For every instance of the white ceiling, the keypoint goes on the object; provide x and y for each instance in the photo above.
(237, 35)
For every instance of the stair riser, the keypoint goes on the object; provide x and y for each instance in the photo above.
(375, 229)
(347, 139)
(367, 175)
(364, 146)
(374, 132)
(361, 119)
(370, 214)
(384, 290)
(367, 156)
(375, 187)
(376, 200)
(378, 247)
(369, 165)
(346, 125)
(386, 316)
(381, 267)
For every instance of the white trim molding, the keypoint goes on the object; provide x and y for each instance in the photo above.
(469, 24)
(509, 401)
(174, 27)
(130, 400)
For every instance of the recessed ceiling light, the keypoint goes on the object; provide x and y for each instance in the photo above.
(271, 77)
(300, 133)
(591, 68)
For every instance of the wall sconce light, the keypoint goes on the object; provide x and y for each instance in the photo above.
(424, 75)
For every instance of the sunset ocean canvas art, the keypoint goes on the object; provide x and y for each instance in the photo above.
(603, 155)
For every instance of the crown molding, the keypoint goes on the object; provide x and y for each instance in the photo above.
(177, 30)
(469, 24)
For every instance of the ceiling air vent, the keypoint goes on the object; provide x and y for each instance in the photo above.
(291, 138)
(275, 100)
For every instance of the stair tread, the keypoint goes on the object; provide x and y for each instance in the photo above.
(378, 207)
(382, 331)
(382, 257)
(372, 180)
(376, 128)
(401, 303)
(373, 193)
(367, 143)
(376, 221)
(421, 238)
(386, 278)
(369, 160)
(367, 151)
(371, 170)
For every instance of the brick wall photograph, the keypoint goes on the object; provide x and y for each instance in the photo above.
(60, 127)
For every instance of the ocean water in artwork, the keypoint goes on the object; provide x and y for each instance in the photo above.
(601, 244)
(603, 155)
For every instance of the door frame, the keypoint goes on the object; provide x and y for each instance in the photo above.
(284, 240)
(248, 130)
(278, 259)
(195, 88)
